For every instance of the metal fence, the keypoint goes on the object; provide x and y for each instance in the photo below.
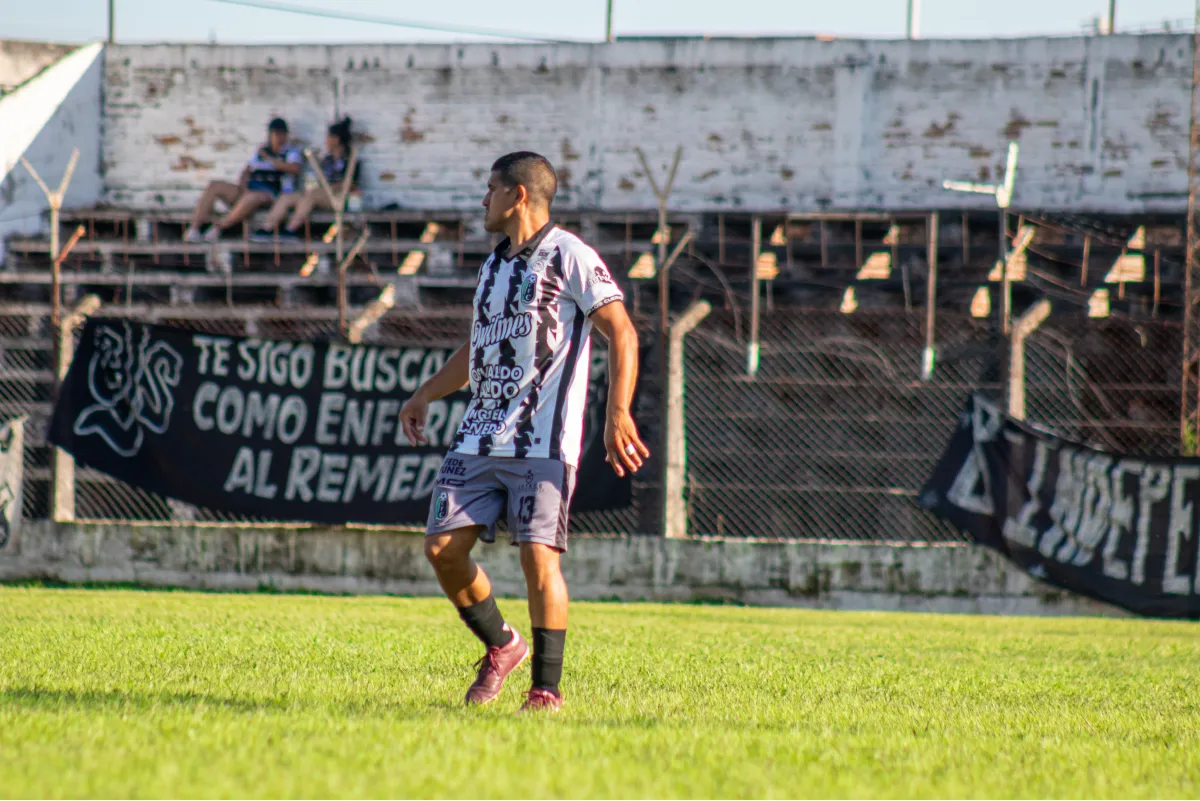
(1110, 383)
(834, 437)
(831, 440)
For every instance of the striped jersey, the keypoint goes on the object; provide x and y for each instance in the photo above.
(530, 348)
(266, 177)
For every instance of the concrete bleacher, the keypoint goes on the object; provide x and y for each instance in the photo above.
(431, 258)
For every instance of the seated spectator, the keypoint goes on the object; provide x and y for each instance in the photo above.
(269, 174)
(333, 165)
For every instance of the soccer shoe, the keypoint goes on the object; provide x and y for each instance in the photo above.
(539, 700)
(213, 234)
(496, 664)
(193, 235)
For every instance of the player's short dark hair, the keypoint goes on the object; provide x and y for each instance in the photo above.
(530, 170)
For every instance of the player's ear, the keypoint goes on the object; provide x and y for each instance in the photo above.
(522, 195)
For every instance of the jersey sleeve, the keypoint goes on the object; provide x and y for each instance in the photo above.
(588, 280)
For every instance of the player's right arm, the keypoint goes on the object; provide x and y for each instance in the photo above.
(454, 375)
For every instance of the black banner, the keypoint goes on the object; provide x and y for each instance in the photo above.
(277, 429)
(1121, 529)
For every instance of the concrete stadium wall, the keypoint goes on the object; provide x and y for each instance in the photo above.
(43, 120)
(20, 61)
(965, 579)
(766, 124)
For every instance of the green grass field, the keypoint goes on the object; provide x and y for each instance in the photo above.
(124, 693)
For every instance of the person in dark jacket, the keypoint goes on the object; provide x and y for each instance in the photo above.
(269, 174)
(334, 165)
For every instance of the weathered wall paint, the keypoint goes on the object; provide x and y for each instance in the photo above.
(765, 123)
(966, 578)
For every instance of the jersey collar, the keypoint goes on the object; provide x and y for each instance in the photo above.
(530, 246)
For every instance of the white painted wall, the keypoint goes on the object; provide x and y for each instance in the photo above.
(766, 124)
(43, 120)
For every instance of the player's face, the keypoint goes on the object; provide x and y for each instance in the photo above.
(500, 202)
(277, 140)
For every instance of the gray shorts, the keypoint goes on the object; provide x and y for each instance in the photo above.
(476, 490)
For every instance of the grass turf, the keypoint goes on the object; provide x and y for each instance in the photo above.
(125, 693)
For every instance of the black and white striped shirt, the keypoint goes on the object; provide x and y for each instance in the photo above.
(531, 346)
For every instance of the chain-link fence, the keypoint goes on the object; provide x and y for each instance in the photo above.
(1113, 384)
(835, 436)
(26, 387)
(831, 440)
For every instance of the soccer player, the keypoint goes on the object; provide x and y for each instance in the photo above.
(516, 452)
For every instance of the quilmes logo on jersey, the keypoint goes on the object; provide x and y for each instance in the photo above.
(529, 288)
(132, 384)
(441, 507)
(500, 329)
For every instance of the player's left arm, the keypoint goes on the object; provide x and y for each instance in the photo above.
(591, 285)
(625, 448)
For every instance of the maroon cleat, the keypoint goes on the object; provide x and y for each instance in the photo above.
(496, 664)
(539, 700)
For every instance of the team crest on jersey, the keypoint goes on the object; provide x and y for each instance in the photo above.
(441, 507)
(541, 259)
(529, 288)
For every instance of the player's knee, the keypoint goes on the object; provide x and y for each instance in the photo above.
(443, 552)
(435, 550)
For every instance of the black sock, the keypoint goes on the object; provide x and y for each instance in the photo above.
(548, 657)
(486, 622)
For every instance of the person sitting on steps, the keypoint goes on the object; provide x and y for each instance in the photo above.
(269, 174)
(334, 164)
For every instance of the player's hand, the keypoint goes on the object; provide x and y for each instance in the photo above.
(625, 448)
(412, 419)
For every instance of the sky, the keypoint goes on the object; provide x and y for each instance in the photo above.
(73, 21)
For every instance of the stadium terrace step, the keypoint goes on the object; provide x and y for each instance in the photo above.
(806, 259)
(409, 229)
(479, 248)
(566, 218)
(248, 279)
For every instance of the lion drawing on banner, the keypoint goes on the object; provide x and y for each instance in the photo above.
(132, 388)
